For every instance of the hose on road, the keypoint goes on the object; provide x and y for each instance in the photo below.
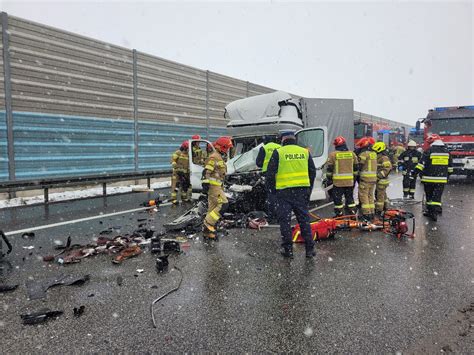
(166, 294)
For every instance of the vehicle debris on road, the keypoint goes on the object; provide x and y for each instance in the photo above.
(40, 316)
(37, 289)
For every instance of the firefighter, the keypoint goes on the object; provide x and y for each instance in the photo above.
(214, 175)
(384, 167)
(367, 179)
(397, 151)
(434, 168)
(263, 158)
(341, 168)
(198, 154)
(180, 179)
(407, 162)
(290, 175)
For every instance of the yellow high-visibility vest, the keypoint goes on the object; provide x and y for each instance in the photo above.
(292, 167)
(268, 148)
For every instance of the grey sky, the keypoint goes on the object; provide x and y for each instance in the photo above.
(395, 60)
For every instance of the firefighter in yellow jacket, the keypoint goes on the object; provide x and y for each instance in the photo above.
(198, 154)
(214, 175)
(384, 166)
(180, 179)
(341, 168)
(367, 179)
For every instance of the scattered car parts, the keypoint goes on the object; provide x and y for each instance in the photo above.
(37, 289)
(40, 317)
(3, 238)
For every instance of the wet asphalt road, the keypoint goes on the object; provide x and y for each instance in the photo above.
(364, 291)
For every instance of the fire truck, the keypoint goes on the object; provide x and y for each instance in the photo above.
(455, 126)
(390, 134)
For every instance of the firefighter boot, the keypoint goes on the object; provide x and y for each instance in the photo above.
(174, 199)
(209, 232)
(189, 194)
(378, 217)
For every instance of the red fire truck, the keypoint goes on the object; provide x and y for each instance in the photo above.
(383, 132)
(455, 126)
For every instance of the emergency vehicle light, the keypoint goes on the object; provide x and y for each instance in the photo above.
(440, 109)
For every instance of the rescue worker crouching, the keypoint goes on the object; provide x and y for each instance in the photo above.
(180, 179)
(367, 179)
(341, 171)
(384, 167)
(263, 158)
(407, 162)
(214, 173)
(290, 175)
(434, 168)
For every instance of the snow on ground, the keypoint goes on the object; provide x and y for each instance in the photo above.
(71, 195)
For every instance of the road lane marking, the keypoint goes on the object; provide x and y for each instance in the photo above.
(85, 219)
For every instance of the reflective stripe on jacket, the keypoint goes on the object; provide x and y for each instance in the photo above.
(409, 159)
(341, 168)
(215, 169)
(269, 148)
(368, 166)
(180, 161)
(384, 166)
(292, 167)
(435, 165)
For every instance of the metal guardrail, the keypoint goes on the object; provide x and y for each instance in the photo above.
(46, 184)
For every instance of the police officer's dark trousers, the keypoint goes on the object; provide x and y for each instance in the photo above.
(294, 199)
(271, 203)
(433, 192)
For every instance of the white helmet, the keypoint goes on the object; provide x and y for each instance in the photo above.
(411, 143)
(438, 143)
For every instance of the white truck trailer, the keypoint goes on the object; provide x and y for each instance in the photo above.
(316, 121)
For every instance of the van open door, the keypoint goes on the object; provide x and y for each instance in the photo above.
(316, 140)
(196, 163)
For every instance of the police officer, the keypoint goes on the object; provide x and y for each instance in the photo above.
(367, 179)
(407, 162)
(435, 167)
(263, 158)
(341, 168)
(180, 179)
(384, 167)
(290, 174)
(214, 175)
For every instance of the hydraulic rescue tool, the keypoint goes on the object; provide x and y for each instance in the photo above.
(394, 222)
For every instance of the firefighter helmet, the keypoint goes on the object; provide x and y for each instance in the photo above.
(185, 145)
(340, 140)
(196, 136)
(363, 142)
(223, 144)
(379, 147)
(411, 143)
